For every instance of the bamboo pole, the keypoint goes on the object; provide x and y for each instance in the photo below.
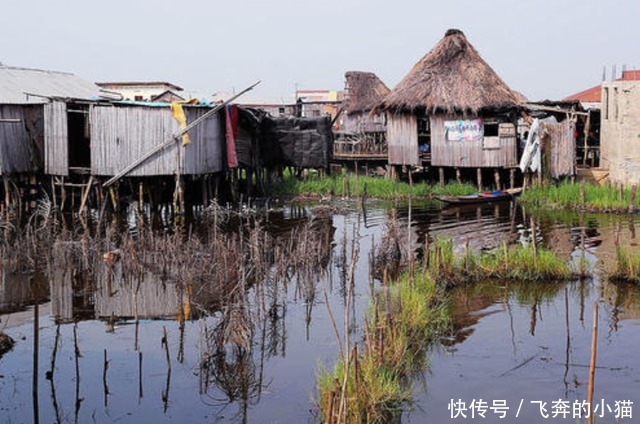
(592, 365)
(174, 138)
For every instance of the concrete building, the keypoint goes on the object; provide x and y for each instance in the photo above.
(620, 130)
(141, 91)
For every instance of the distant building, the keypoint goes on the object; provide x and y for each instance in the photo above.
(316, 103)
(143, 91)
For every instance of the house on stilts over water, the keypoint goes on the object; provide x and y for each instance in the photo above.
(363, 134)
(452, 111)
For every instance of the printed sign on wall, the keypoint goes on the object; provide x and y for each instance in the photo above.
(470, 130)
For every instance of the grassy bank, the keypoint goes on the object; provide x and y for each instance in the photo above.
(627, 266)
(521, 263)
(348, 185)
(373, 384)
(568, 196)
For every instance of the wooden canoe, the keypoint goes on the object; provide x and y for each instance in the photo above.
(483, 197)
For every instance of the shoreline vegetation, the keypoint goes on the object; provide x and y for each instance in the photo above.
(352, 185)
(587, 197)
(373, 381)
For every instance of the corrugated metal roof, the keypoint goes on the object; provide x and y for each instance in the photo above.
(15, 82)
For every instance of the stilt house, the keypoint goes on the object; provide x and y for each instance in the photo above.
(455, 106)
(31, 122)
(363, 132)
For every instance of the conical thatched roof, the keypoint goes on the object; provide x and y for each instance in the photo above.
(365, 90)
(450, 78)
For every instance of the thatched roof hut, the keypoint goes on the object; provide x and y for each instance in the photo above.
(365, 91)
(451, 78)
(454, 109)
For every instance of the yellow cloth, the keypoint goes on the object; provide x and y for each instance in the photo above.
(179, 115)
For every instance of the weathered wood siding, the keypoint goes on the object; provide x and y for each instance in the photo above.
(363, 122)
(500, 152)
(562, 148)
(56, 139)
(16, 146)
(204, 154)
(402, 138)
(122, 134)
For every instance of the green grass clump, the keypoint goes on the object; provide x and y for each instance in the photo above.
(567, 195)
(398, 329)
(627, 266)
(522, 263)
(350, 185)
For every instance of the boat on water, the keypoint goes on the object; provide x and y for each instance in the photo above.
(482, 197)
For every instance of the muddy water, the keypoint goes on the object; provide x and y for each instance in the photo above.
(511, 342)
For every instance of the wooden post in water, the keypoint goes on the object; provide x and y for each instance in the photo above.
(592, 365)
(582, 200)
(534, 242)
(105, 387)
(512, 178)
(479, 178)
(458, 177)
(441, 176)
(496, 176)
(632, 200)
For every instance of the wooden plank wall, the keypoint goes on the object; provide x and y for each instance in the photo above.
(121, 134)
(402, 138)
(204, 154)
(16, 146)
(56, 139)
(562, 148)
(470, 154)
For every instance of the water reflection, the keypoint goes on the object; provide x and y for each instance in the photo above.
(246, 330)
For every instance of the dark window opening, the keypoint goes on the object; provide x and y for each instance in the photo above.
(491, 130)
(424, 135)
(79, 138)
(138, 98)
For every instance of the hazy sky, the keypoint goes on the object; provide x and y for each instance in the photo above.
(544, 49)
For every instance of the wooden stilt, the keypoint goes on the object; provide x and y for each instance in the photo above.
(458, 176)
(85, 194)
(140, 196)
(496, 176)
(479, 178)
(512, 178)
(441, 176)
(7, 197)
(53, 193)
(632, 200)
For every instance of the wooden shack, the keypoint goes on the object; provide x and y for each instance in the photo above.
(455, 107)
(26, 108)
(363, 132)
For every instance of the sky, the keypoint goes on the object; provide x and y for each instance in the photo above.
(544, 49)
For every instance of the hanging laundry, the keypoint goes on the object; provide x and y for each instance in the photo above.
(231, 125)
